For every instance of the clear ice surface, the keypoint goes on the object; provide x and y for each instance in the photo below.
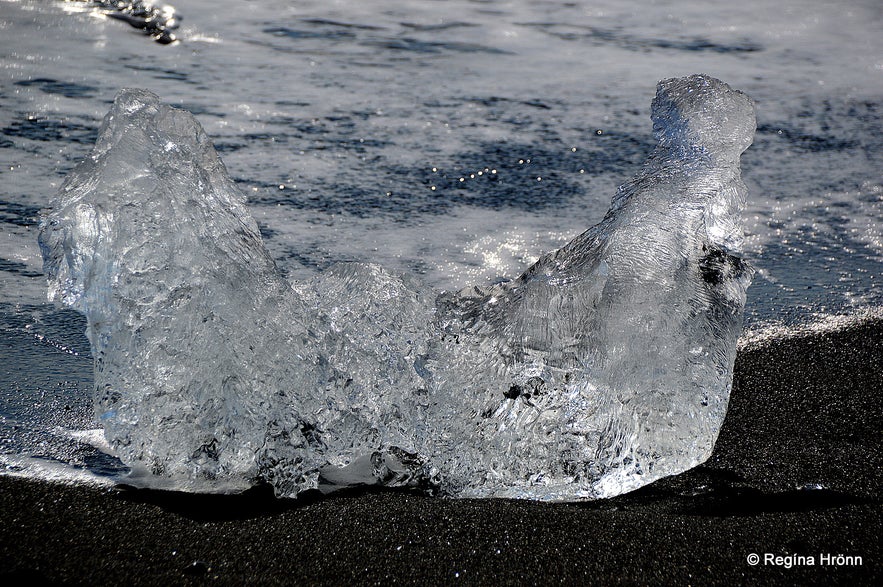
(605, 366)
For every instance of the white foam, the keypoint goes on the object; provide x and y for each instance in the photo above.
(52, 471)
(819, 324)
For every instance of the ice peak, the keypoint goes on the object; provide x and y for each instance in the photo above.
(701, 112)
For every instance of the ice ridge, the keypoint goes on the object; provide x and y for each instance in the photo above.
(605, 366)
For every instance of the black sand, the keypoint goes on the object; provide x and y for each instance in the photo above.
(797, 471)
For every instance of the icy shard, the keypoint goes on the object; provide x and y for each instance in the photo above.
(605, 366)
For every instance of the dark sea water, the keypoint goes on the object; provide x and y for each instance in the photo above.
(458, 140)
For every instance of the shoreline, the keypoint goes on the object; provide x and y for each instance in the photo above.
(796, 474)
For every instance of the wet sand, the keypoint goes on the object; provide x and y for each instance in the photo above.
(796, 473)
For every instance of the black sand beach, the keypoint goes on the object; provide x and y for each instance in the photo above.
(796, 474)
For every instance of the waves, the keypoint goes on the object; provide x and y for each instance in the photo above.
(361, 125)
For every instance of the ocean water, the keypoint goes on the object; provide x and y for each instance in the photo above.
(456, 140)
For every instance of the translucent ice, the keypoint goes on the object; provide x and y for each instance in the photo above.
(605, 366)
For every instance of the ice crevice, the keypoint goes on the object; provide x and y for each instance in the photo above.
(603, 367)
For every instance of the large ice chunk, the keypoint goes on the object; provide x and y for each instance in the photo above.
(605, 366)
